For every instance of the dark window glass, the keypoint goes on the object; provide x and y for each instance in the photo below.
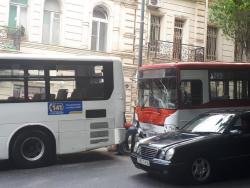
(191, 92)
(212, 33)
(228, 84)
(48, 81)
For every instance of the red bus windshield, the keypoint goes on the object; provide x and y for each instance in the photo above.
(158, 89)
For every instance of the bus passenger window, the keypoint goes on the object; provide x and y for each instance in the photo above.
(62, 94)
(77, 94)
(191, 93)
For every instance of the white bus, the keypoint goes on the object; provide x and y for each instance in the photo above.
(58, 105)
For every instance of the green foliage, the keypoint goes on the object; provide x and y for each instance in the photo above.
(233, 17)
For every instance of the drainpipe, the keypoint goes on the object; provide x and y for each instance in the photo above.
(205, 33)
(141, 34)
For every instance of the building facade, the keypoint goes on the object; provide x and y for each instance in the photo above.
(174, 30)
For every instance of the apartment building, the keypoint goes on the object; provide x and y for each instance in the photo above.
(179, 30)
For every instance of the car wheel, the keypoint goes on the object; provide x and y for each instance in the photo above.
(201, 171)
(32, 149)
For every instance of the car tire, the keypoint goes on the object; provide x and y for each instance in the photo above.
(200, 170)
(32, 149)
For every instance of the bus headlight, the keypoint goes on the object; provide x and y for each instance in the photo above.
(169, 154)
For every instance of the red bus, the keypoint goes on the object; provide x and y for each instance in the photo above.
(171, 94)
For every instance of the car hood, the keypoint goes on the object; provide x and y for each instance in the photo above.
(173, 138)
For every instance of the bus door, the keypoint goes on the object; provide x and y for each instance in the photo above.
(194, 93)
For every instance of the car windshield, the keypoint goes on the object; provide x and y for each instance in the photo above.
(211, 123)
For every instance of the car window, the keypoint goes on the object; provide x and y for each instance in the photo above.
(245, 123)
(242, 124)
(237, 124)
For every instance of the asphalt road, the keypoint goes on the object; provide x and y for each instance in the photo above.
(97, 169)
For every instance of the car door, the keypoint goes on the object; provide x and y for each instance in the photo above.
(245, 136)
(239, 142)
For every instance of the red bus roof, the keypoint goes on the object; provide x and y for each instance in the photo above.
(197, 65)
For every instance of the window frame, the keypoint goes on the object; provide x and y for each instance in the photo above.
(52, 19)
(18, 13)
(178, 38)
(212, 36)
(182, 105)
(226, 75)
(98, 22)
(107, 77)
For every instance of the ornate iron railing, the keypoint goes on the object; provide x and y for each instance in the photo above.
(10, 38)
(169, 51)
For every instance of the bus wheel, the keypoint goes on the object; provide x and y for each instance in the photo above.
(32, 149)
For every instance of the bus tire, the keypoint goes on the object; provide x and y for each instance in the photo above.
(31, 149)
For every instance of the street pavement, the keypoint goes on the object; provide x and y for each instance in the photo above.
(97, 169)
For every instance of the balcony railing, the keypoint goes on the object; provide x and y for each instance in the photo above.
(169, 51)
(10, 38)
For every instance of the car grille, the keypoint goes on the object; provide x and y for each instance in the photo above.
(147, 152)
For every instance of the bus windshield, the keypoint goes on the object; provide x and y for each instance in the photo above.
(158, 93)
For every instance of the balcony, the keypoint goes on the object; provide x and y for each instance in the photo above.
(10, 38)
(169, 51)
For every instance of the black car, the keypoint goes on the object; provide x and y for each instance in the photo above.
(209, 141)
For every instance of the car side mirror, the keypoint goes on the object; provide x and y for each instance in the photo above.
(235, 132)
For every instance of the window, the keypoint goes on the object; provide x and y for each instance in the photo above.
(158, 93)
(238, 51)
(211, 43)
(51, 22)
(99, 29)
(62, 82)
(33, 83)
(155, 28)
(18, 13)
(242, 124)
(227, 84)
(177, 43)
(11, 84)
(191, 92)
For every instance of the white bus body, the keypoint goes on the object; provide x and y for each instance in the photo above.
(73, 125)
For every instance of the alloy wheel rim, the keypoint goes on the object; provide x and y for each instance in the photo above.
(201, 169)
(32, 149)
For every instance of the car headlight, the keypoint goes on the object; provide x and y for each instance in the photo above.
(136, 146)
(162, 154)
(169, 154)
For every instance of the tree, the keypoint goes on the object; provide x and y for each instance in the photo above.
(233, 17)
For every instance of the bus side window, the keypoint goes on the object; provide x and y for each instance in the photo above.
(62, 94)
(191, 93)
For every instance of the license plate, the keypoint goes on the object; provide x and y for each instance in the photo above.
(143, 161)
